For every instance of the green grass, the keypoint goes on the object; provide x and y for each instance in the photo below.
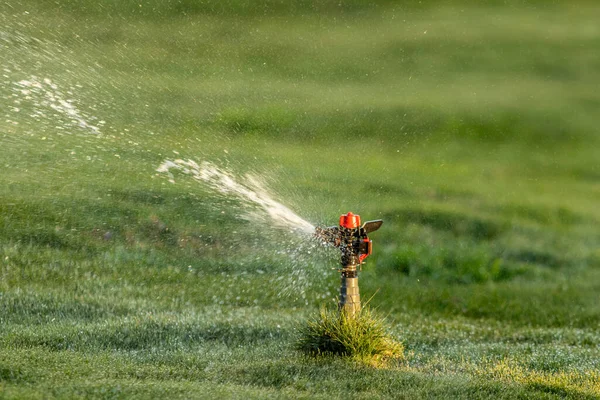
(362, 338)
(470, 128)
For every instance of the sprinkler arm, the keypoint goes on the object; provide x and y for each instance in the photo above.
(372, 226)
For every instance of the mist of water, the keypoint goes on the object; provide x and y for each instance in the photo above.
(43, 100)
(304, 270)
(45, 97)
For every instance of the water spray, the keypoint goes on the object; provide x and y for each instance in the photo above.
(352, 240)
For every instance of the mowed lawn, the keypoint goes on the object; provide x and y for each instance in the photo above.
(470, 129)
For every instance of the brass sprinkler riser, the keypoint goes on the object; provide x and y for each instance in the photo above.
(349, 296)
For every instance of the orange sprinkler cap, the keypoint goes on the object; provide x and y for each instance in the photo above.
(350, 221)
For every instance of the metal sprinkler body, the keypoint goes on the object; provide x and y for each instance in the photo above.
(352, 240)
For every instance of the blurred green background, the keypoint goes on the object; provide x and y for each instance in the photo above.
(470, 127)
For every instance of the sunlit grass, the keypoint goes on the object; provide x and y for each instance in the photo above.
(362, 337)
(575, 383)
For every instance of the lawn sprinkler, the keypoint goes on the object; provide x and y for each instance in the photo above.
(352, 240)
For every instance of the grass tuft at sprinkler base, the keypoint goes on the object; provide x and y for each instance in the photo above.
(351, 331)
(361, 337)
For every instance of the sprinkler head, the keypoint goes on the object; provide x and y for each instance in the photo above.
(350, 237)
(352, 240)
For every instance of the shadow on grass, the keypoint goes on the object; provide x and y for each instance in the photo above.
(143, 335)
(13, 376)
(33, 309)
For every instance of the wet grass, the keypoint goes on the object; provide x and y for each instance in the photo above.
(471, 130)
(360, 337)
